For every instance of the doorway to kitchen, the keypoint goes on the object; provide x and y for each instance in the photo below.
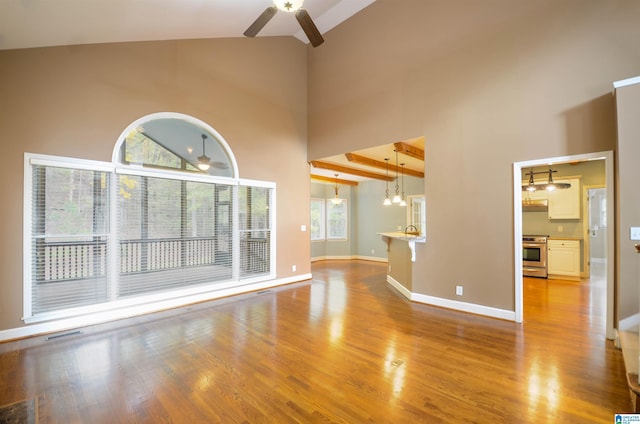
(606, 262)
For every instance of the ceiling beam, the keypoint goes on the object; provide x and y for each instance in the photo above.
(333, 180)
(348, 170)
(407, 149)
(363, 160)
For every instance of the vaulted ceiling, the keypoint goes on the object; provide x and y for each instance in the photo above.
(43, 23)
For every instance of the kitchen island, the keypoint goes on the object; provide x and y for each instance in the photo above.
(401, 249)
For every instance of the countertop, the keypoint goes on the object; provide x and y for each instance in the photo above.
(401, 235)
(565, 238)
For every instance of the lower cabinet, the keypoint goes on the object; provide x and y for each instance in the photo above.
(563, 257)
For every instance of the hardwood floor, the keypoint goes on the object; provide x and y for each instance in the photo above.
(345, 347)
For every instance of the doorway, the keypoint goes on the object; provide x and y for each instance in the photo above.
(595, 231)
(607, 235)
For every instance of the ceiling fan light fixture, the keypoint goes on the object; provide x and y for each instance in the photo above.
(288, 5)
(204, 161)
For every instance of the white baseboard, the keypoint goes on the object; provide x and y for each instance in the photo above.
(452, 304)
(348, 258)
(464, 307)
(396, 285)
(629, 323)
(131, 311)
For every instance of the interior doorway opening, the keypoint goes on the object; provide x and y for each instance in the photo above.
(608, 243)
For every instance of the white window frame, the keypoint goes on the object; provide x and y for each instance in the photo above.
(119, 308)
(321, 221)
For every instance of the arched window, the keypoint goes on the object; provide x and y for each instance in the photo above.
(167, 219)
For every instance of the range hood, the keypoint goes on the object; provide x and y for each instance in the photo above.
(535, 205)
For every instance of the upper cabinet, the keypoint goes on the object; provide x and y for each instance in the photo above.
(565, 203)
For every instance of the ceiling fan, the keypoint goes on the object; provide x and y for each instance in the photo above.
(295, 6)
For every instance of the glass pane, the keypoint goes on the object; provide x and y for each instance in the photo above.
(336, 220)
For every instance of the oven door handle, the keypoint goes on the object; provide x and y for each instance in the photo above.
(534, 245)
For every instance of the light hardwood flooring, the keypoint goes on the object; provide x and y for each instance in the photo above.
(344, 347)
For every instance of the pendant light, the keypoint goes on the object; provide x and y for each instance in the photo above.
(549, 186)
(402, 201)
(531, 186)
(387, 201)
(336, 200)
(204, 162)
(396, 198)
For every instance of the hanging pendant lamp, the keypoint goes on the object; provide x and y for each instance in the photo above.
(403, 202)
(396, 198)
(387, 201)
(336, 200)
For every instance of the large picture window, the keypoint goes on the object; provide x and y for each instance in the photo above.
(150, 226)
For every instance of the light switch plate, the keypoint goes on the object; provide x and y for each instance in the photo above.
(634, 233)
(303, 227)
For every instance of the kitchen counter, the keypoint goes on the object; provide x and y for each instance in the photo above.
(564, 238)
(409, 238)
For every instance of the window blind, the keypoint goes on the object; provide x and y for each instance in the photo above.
(173, 234)
(254, 204)
(69, 238)
(99, 236)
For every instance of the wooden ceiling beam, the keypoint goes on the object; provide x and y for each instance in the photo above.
(333, 180)
(407, 149)
(363, 160)
(348, 170)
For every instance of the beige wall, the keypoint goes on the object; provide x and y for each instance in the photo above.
(628, 198)
(75, 102)
(487, 84)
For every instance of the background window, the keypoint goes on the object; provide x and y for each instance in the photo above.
(317, 220)
(336, 220)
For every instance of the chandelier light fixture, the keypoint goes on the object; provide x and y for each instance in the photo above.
(204, 162)
(387, 201)
(336, 200)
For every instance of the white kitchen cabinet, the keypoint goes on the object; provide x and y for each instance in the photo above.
(563, 258)
(565, 203)
(534, 195)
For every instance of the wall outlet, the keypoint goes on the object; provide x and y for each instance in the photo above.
(459, 290)
(373, 252)
(634, 233)
(560, 228)
(399, 228)
(293, 268)
(389, 268)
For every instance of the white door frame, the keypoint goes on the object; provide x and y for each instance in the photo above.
(586, 230)
(517, 225)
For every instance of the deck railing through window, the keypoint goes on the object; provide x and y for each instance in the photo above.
(64, 260)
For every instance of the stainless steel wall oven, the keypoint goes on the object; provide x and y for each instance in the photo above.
(534, 256)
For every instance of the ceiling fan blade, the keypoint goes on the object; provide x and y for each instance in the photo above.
(262, 20)
(309, 28)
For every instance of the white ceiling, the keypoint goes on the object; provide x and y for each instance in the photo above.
(44, 23)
